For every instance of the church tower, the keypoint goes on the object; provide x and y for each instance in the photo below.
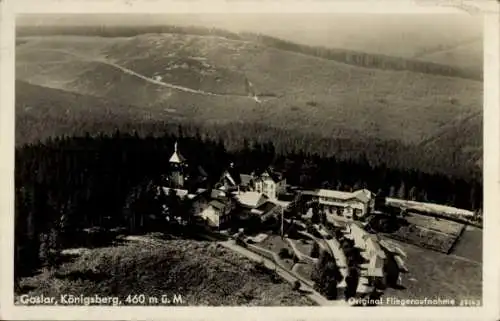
(178, 167)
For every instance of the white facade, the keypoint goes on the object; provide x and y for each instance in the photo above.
(270, 187)
(215, 216)
(347, 204)
(211, 216)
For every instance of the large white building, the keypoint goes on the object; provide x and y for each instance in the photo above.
(346, 204)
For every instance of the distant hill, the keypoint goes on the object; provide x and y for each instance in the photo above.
(202, 79)
(397, 35)
(416, 58)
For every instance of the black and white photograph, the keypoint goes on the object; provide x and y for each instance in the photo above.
(248, 159)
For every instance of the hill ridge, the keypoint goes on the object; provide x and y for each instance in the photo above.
(352, 57)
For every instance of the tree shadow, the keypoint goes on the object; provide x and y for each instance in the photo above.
(23, 289)
(67, 258)
(398, 287)
(82, 276)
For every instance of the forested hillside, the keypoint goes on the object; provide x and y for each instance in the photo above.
(400, 118)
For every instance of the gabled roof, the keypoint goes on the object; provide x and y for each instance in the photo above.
(376, 266)
(217, 194)
(266, 206)
(229, 178)
(274, 176)
(250, 199)
(181, 193)
(357, 229)
(217, 204)
(363, 195)
(396, 250)
(246, 179)
(401, 264)
(373, 245)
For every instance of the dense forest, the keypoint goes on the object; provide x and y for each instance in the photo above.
(351, 57)
(52, 122)
(76, 182)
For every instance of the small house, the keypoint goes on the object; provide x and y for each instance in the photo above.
(267, 210)
(214, 207)
(270, 183)
(250, 200)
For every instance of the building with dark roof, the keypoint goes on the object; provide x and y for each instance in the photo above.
(348, 204)
(214, 207)
(270, 183)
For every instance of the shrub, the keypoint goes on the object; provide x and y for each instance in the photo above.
(296, 285)
(97, 236)
(262, 268)
(284, 253)
(241, 242)
(315, 250)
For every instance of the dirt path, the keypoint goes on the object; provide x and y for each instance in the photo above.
(286, 275)
(312, 294)
(145, 78)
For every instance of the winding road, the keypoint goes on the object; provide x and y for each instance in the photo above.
(145, 78)
(286, 275)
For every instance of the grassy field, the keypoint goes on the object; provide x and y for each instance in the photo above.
(201, 272)
(333, 97)
(275, 243)
(439, 225)
(470, 244)
(434, 274)
(304, 245)
(305, 270)
(429, 232)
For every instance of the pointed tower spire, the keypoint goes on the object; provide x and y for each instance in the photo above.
(176, 156)
(178, 168)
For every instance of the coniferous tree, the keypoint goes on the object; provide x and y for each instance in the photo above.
(401, 194)
(412, 194)
(392, 191)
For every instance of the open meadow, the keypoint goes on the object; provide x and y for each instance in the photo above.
(437, 275)
(201, 272)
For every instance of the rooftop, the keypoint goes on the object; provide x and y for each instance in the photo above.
(275, 176)
(250, 199)
(246, 179)
(266, 207)
(217, 204)
(176, 156)
(362, 195)
(375, 266)
(182, 193)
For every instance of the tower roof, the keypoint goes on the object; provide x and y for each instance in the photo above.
(176, 156)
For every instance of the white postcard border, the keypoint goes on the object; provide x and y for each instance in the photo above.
(491, 281)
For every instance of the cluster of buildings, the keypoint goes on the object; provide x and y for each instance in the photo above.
(385, 262)
(238, 195)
